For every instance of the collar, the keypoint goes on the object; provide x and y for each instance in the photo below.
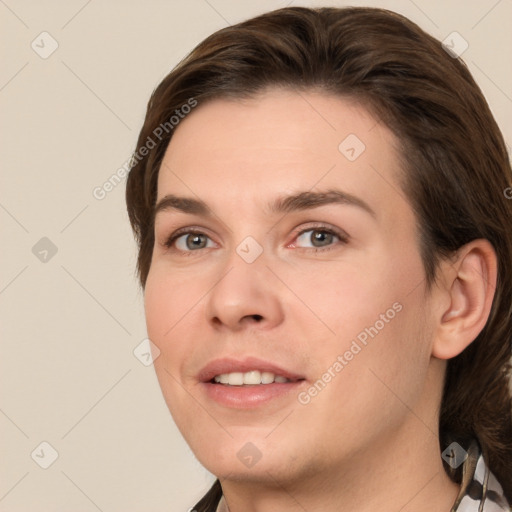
(222, 507)
(479, 490)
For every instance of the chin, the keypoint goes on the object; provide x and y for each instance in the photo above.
(249, 458)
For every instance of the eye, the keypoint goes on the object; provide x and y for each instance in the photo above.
(189, 241)
(318, 237)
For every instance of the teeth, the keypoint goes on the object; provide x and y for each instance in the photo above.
(236, 379)
(253, 377)
(267, 377)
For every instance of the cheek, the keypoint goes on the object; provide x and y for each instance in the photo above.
(158, 310)
(169, 304)
(367, 291)
(376, 313)
(377, 368)
(349, 295)
(168, 298)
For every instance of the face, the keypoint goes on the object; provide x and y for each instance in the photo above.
(286, 252)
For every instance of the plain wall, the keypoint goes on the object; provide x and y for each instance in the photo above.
(70, 323)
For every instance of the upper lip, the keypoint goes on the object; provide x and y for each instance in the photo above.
(230, 365)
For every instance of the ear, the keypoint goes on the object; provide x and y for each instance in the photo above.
(467, 285)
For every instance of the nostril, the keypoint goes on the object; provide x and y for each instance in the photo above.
(258, 318)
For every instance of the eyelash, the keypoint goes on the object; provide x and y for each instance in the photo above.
(343, 238)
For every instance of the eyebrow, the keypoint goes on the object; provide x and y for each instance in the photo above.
(297, 202)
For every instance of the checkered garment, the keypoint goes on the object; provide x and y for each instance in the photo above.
(479, 491)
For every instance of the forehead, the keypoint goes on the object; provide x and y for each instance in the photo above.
(278, 120)
(234, 152)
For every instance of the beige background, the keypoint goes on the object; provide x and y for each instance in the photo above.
(69, 325)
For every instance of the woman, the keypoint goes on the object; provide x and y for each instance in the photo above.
(320, 201)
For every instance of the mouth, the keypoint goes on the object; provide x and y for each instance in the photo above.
(249, 383)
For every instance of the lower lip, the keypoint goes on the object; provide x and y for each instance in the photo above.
(247, 397)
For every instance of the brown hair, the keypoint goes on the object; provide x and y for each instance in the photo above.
(456, 163)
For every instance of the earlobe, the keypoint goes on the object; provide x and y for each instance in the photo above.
(470, 284)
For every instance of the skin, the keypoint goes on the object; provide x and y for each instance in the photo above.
(368, 440)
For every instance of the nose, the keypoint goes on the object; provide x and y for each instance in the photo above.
(247, 295)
